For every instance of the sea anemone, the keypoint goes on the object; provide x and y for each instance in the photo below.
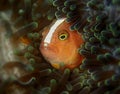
(23, 70)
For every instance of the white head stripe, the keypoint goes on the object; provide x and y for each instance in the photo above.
(52, 30)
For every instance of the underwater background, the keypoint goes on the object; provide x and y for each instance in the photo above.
(23, 69)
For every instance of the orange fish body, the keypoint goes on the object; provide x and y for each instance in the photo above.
(60, 45)
(24, 40)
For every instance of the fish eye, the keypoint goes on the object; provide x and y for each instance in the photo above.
(63, 36)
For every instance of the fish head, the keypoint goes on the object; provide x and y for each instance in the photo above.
(61, 45)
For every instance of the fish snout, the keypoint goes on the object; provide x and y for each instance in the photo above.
(48, 47)
(45, 44)
(48, 51)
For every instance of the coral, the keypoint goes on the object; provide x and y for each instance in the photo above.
(23, 69)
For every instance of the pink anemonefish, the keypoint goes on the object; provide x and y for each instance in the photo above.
(59, 45)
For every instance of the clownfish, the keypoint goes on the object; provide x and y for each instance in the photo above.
(60, 46)
(24, 40)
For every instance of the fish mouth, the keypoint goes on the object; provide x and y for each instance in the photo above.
(48, 51)
(45, 44)
(48, 47)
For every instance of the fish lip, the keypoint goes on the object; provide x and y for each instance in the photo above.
(45, 47)
(48, 52)
(45, 44)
